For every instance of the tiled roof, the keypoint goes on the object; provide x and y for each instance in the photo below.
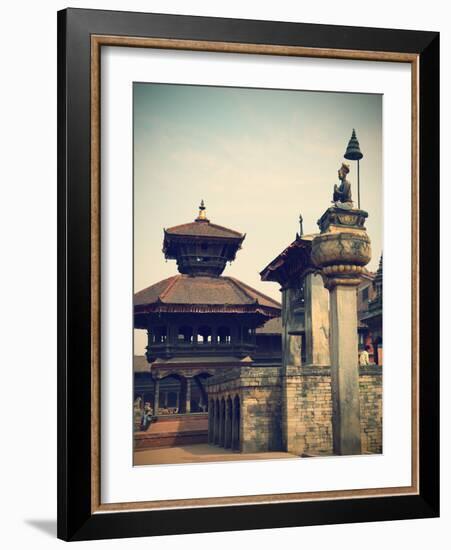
(293, 258)
(273, 326)
(209, 294)
(203, 229)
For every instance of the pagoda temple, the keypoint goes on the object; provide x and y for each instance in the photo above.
(199, 321)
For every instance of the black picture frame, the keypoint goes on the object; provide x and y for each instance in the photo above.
(76, 521)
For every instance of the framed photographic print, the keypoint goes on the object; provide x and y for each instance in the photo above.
(248, 274)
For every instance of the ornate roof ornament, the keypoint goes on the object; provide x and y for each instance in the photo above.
(202, 217)
(353, 150)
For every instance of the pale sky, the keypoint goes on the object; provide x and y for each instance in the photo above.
(258, 158)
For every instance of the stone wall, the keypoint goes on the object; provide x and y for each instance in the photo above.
(371, 409)
(292, 410)
(259, 392)
(261, 410)
(307, 427)
(315, 411)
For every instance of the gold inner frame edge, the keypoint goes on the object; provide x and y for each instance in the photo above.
(97, 41)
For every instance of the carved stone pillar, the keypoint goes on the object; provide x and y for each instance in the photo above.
(210, 420)
(341, 251)
(234, 427)
(228, 425)
(291, 364)
(316, 303)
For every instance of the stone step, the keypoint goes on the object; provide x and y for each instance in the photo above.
(173, 431)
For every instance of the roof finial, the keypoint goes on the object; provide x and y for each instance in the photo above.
(301, 219)
(202, 217)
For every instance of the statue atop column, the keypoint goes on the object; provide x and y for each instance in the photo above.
(341, 251)
(342, 197)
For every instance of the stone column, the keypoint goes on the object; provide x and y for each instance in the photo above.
(316, 302)
(188, 395)
(156, 398)
(342, 250)
(233, 430)
(291, 364)
(221, 423)
(227, 425)
(216, 424)
(291, 343)
(210, 421)
(345, 370)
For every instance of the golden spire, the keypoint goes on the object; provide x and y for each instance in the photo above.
(202, 217)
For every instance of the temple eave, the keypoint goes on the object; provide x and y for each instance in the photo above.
(207, 308)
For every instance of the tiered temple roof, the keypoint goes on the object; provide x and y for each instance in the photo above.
(202, 250)
(201, 294)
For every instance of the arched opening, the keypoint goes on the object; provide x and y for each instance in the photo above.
(204, 333)
(185, 334)
(224, 336)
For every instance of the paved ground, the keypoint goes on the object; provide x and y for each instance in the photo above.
(198, 453)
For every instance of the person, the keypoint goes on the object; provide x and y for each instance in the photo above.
(364, 358)
(146, 419)
(342, 197)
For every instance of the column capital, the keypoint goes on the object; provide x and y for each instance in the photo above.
(343, 248)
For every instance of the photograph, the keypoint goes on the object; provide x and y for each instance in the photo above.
(258, 230)
(248, 303)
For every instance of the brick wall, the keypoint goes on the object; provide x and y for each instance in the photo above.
(261, 415)
(315, 411)
(293, 410)
(371, 409)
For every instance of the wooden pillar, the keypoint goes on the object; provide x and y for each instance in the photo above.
(156, 398)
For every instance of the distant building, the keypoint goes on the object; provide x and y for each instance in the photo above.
(198, 322)
(370, 315)
(268, 339)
